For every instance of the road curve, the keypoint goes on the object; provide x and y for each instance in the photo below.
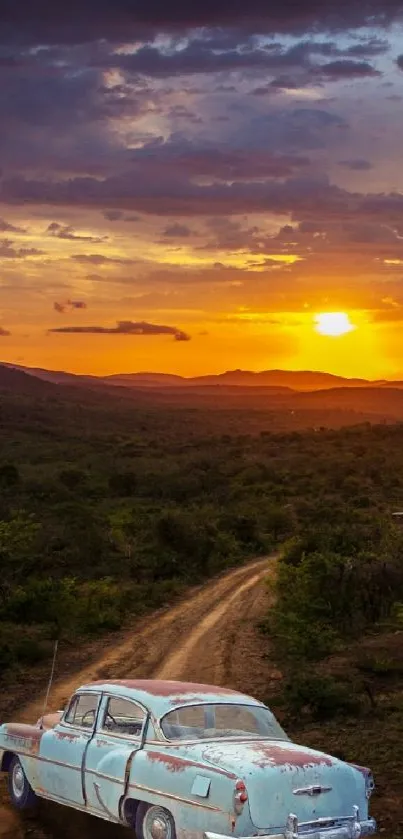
(206, 638)
(164, 645)
(178, 664)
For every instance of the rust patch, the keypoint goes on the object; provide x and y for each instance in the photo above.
(171, 762)
(67, 735)
(158, 687)
(282, 756)
(175, 763)
(24, 736)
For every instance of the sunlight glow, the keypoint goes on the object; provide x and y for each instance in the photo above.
(333, 323)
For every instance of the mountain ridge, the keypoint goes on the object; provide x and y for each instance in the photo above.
(298, 380)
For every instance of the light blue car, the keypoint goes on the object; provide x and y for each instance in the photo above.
(174, 760)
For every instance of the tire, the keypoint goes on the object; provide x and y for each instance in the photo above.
(20, 790)
(154, 822)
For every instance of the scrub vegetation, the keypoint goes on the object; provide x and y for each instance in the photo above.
(110, 508)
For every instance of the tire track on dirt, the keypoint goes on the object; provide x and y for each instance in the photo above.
(192, 640)
(198, 659)
(148, 650)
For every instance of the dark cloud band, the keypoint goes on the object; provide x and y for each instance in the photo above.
(126, 327)
(77, 22)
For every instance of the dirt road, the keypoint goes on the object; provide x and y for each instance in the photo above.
(209, 637)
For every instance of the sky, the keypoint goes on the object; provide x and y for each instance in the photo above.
(190, 188)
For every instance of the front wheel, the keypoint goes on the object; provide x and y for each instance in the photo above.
(153, 822)
(21, 792)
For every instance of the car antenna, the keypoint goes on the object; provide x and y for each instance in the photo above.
(52, 672)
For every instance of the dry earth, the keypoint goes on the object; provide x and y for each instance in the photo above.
(210, 636)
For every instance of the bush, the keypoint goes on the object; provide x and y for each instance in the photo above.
(381, 666)
(317, 696)
(323, 596)
(30, 651)
(73, 479)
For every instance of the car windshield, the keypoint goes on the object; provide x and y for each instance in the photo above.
(197, 722)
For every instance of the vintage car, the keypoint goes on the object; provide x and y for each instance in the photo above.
(185, 761)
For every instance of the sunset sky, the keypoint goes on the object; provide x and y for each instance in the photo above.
(191, 187)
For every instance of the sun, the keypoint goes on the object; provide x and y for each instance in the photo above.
(333, 323)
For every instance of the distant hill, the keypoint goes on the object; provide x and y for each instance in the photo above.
(146, 380)
(296, 380)
(240, 397)
(277, 380)
(20, 382)
(58, 377)
(300, 380)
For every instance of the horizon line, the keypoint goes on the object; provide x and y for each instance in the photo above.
(284, 370)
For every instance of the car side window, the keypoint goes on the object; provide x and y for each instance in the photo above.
(82, 710)
(123, 717)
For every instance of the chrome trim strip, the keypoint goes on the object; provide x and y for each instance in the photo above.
(154, 791)
(176, 798)
(140, 787)
(81, 729)
(236, 739)
(58, 763)
(132, 738)
(104, 777)
(208, 834)
(344, 831)
(312, 790)
(49, 760)
(132, 786)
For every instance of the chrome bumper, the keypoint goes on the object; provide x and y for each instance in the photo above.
(349, 827)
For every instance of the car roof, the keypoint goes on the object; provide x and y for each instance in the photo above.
(161, 696)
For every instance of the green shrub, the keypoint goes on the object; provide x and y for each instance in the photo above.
(319, 697)
(378, 665)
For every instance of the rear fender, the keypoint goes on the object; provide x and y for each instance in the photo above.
(196, 794)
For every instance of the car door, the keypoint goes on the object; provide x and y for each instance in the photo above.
(63, 748)
(118, 736)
